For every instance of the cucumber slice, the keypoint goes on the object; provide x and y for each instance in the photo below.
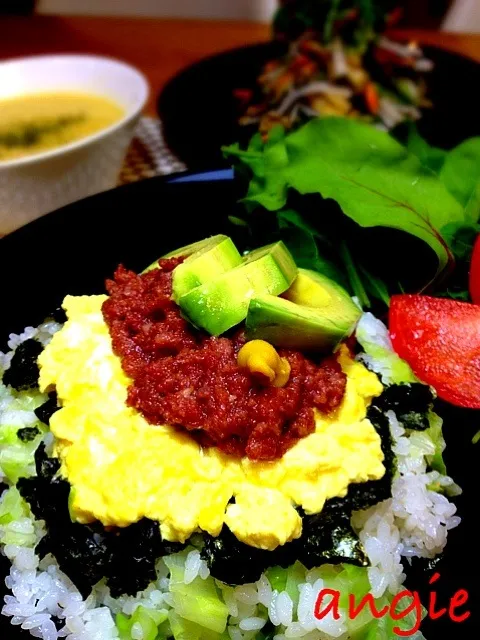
(215, 257)
(222, 303)
(182, 629)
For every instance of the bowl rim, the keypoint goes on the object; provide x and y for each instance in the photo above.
(128, 117)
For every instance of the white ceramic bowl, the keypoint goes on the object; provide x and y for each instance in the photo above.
(36, 184)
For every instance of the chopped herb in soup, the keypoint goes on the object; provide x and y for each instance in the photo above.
(34, 123)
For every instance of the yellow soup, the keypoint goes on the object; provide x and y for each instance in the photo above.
(38, 122)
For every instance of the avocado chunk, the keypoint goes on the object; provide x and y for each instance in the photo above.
(190, 250)
(222, 303)
(314, 314)
(313, 289)
(210, 261)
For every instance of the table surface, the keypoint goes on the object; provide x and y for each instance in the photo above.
(161, 48)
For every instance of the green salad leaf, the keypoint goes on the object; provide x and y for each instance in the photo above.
(375, 286)
(330, 181)
(356, 21)
(301, 240)
(431, 157)
(461, 175)
(355, 280)
(373, 178)
(461, 238)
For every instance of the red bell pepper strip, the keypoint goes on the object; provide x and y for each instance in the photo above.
(371, 98)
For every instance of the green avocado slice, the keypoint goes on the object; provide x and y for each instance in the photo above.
(190, 250)
(314, 314)
(313, 289)
(215, 257)
(222, 303)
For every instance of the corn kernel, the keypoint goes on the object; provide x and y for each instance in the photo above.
(263, 362)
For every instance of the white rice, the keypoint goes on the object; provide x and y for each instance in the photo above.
(414, 522)
(42, 333)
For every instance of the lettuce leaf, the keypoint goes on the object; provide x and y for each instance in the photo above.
(302, 241)
(461, 175)
(373, 178)
(432, 158)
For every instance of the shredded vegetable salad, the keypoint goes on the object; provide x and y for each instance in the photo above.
(337, 63)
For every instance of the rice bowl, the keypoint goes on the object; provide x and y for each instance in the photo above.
(411, 522)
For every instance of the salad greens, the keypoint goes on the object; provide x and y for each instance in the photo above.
(430, 157)
(332, 58)
(429, 195)
(327, 17)
(302, 243)
(461, 175)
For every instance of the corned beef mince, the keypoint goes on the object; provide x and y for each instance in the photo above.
(184, 377)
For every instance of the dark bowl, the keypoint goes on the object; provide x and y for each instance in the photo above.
(73, 251)
(199, 111)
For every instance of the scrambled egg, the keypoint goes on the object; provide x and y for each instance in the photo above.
(122, 469)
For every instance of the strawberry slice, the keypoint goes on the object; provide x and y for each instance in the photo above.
(440, 340)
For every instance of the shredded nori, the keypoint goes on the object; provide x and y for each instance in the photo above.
(23, 371)
(127, 557)
(172, 547)
(235, 562)
(366, 494)
(57, 622)
(45, 411)
(424, 565)
(46, 494)
(411, 403)
(88, 553)
(80, 554)
(27, 434)
(46, 467)
(328, 537)
(132, 555)
(59, 315)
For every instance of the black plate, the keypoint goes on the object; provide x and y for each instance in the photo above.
(73, 250)
(199, 111)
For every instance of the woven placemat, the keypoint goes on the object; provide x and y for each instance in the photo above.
(148, 154)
